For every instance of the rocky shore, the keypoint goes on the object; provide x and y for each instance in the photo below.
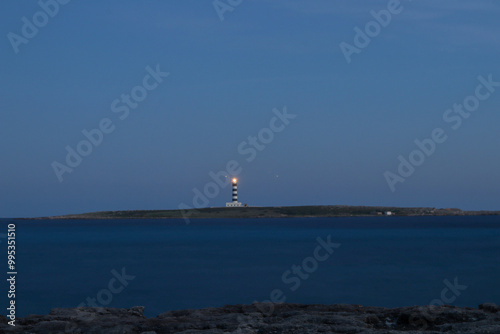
(265, 318)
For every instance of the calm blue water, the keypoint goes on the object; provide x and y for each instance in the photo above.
(382, 261)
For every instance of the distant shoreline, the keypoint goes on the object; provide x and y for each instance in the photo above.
(273, 212)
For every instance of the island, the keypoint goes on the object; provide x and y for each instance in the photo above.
(275, 212)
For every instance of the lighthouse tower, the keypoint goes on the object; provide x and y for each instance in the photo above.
(235, 202)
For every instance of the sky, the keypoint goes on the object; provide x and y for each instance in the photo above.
(309, 102)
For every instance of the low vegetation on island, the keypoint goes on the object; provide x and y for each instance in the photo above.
(276, 212)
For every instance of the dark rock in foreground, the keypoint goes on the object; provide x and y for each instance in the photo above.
(265, 318)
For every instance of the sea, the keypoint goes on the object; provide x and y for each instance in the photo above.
(167, 264)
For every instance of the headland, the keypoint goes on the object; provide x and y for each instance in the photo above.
(276, 212)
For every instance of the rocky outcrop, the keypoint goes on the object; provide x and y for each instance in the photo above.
(265, 318)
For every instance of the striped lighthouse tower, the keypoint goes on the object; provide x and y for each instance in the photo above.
(235, 190)
(235, 202)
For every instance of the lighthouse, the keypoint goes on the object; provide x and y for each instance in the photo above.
(235, 202)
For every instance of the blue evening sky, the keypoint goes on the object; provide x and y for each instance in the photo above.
(353, 120)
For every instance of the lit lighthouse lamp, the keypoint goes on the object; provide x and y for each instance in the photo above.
(235, 202)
